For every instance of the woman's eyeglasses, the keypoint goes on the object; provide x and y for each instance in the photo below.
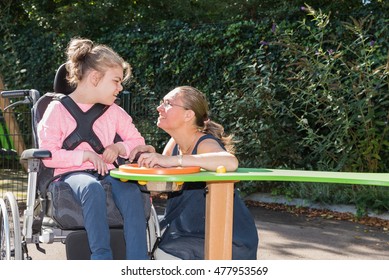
(167, 104)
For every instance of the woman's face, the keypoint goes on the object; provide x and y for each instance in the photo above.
(171, 111)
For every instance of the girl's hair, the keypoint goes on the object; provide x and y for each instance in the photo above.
(83, 55)
(195, 100)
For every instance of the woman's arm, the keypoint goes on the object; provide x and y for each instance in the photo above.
(210, 156)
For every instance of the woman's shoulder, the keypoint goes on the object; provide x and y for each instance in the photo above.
(207, 136)
(208, 141)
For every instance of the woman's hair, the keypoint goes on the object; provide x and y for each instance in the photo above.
(83, 55)
(195, 100)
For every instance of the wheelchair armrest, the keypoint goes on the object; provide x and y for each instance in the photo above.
(35, 154)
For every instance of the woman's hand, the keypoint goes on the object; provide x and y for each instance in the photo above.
(99, 164)
(151, 160)
(135, 153)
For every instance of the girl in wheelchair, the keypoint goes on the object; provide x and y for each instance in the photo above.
(97, 74)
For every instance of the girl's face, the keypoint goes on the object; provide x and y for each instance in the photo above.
(171, 111)
(109, 86)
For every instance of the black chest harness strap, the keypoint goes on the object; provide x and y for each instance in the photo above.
(84, 129)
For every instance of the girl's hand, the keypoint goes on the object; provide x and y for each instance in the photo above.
(111, 153)
(99, 164)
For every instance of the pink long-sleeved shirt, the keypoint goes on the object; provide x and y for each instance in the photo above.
(57, 124)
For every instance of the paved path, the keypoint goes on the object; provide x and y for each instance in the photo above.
(286, 236)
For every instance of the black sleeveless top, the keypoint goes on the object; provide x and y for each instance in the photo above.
(184, 221)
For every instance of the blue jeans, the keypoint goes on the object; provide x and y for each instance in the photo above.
(91, 195)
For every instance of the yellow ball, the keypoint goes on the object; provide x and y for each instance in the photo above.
(123, 180)
(142, 183)
(221, 169)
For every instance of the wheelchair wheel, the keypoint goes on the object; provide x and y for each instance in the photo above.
(14, 225)
(153, 232)
(11, 246)
(5, 247)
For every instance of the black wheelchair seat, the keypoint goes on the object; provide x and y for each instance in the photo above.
(67, 213)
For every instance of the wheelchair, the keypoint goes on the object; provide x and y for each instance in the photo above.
(51, 213)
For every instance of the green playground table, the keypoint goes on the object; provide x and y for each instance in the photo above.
(219, 200)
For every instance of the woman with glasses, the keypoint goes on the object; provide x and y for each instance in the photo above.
(195, 141)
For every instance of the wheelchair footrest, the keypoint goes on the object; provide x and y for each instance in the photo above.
(77, 246)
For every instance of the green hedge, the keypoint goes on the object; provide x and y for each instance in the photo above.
(276, 86)
(310, 93)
